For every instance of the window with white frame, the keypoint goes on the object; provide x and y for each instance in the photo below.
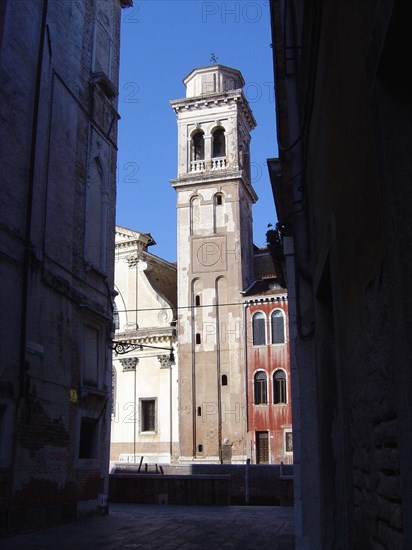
(277, 322)
(279, 387)
(288, 442)
(148, 415)
(258, 329)
(261, 392)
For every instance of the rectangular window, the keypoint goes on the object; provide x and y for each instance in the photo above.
(288, 442)
(148, 415)
(91, 356)
(88, 438)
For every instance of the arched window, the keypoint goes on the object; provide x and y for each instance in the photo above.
(277, 321)
(194, 215)
(258, 327)
(224, 380)
(279, 387)
(218, 199)
(198, 146)
(218, 212)
(261, 393)
(219, 143)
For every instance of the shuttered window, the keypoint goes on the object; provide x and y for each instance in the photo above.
(258, 327)
(279, 387)
(261, 395)
(278, 327)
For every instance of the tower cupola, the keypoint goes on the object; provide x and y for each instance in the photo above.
(214, 125)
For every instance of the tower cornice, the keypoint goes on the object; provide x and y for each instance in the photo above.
(215, 99)
(189, 181)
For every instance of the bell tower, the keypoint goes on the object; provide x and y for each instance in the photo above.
(215, 253)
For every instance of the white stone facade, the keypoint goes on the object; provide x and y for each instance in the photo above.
(145, 390)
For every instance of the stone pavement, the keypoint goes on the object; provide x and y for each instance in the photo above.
(149, 527)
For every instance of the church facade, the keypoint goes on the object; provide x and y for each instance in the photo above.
(144, 426)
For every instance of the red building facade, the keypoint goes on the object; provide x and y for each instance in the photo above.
(269, 418)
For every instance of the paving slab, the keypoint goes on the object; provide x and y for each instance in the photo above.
(168, 527)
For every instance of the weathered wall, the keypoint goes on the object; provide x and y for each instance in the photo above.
(352, 267)
(57, 205)
(274, 418)
(205, 484)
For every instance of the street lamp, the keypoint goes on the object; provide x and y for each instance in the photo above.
(122, 347)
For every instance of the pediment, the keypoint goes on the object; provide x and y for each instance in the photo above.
(125, 237)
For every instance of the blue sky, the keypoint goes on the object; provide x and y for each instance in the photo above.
(161, 42)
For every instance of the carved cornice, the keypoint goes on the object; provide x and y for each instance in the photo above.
(148, 335)
(211, 100)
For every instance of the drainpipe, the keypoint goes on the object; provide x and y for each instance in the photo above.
(170, 411)
(29, 208)
(246, 305)
(219, 392)
(194, 404)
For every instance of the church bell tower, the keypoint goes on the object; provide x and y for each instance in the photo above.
(215, 254)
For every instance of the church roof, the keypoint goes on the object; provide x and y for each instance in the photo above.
(163, 278)
(212, 68)
(266, 281)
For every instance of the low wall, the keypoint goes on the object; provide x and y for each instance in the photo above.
(212, 484)
(170, 489)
